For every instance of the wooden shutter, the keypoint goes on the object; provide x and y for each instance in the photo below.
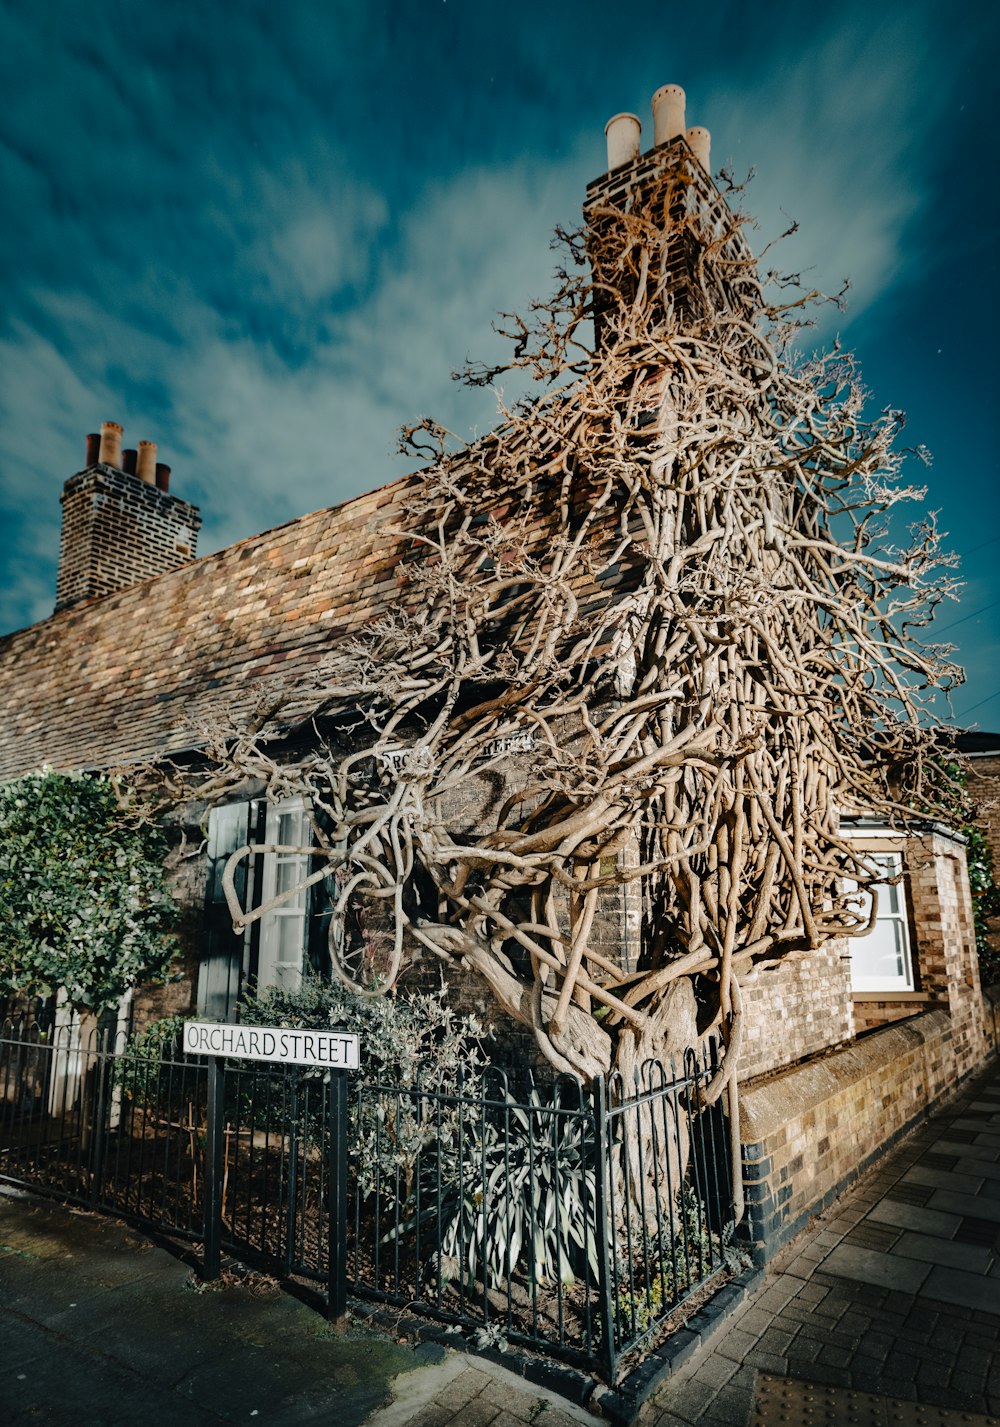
(221, 966)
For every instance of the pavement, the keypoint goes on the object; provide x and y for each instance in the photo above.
(99, 1327)
(886, 1309)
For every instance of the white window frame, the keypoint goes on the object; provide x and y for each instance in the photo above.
(889, 939)
(286, 924)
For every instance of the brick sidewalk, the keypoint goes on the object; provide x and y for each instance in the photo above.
(894, 1291)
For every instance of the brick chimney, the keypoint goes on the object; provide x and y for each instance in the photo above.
(630, 179)
(119, 527)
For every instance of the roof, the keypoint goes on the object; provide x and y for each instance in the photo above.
(127, 677)
(976, 743)
(135, 675)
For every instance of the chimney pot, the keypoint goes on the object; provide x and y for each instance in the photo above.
(700, 144)
(128, 461)
(162, 476)
(110, 452)
(93, 449)
(668, 114)
(146, 467)
(624, 134)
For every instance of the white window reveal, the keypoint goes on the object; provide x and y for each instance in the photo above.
(881, 961)
(283, 928)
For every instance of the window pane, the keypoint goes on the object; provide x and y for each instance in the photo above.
(290, 938)
(287, 873)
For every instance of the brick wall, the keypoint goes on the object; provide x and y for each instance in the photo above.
(796, 1008)
(809, 1133)
(984, 787)
(117, 531)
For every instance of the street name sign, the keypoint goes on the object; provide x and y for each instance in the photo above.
(330, 1050)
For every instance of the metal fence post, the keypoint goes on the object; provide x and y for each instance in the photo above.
(337, 1298)
(605, 1248)
(215, 1138)
(103, 1069)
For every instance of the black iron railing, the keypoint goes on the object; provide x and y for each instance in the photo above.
(571, 1219)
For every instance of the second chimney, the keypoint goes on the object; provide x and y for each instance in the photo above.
(700, 144)
(145, 467)
(624, 136)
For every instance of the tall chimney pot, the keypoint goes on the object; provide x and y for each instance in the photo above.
(162, 476)
(129, 456)
(700, 144)
(110, 453)
(146, 466)
(93, 449)
(623, 133)
(668, 113)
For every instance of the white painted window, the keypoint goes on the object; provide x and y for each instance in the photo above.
(283, 928)
(881, 961)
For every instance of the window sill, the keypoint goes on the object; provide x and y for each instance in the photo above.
(918, 997)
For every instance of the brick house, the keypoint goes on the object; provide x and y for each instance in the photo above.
(845, 1046)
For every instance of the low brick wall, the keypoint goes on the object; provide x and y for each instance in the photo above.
(808, 1133)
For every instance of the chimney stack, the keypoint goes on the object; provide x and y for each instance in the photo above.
(700, 143)
(120, 525)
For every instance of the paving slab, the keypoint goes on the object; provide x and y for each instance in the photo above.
(872, 1266)
(912, 1216)
(943, 1179)
(943, 1251)
(969, 1290)
(796, 1402)
(980, 1206)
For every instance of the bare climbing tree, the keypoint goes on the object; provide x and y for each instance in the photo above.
(653, 636)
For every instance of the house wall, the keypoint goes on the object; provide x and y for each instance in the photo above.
(809, 1132)
(984, 788)
(796, 1008)
(942, 936)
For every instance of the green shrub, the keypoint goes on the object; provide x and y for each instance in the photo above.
(84, 903)
(410, 1042)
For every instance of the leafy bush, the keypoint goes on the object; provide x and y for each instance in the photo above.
(84, 903)
(137, 1069)
(411, 1043)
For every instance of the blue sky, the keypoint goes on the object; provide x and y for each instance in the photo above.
(264, 236)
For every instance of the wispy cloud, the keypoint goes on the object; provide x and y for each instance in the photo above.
(267, 247)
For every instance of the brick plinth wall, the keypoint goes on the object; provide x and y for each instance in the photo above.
(117, 531)
(808, 1134)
